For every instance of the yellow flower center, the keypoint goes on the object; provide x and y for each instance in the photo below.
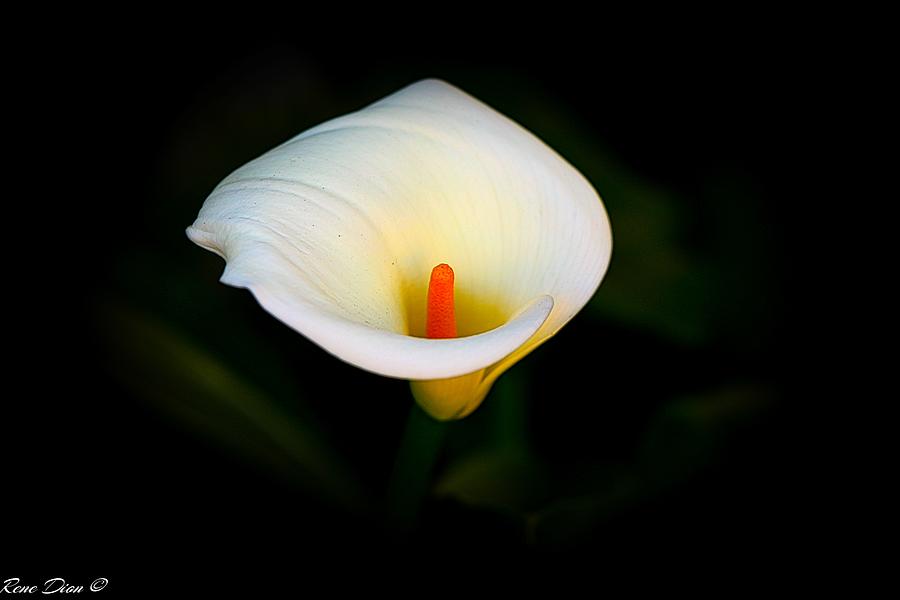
(472, 310)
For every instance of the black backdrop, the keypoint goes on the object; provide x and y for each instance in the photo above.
(101, 481)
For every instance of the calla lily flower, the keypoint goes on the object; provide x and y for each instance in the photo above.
(426, 212)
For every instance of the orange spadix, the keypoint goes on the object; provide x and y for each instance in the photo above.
(440, 318)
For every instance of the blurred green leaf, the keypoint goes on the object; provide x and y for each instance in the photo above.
(503, 474)
(498, 479)
(684, 438)
(654, 281)
(690, 433)
(572, 521)
(157, 364)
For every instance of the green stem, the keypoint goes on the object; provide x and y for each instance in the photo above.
(419, 449)
(509, 406)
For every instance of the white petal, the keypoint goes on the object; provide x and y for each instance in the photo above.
(336, 232)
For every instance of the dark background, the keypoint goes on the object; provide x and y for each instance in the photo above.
(662, 422)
